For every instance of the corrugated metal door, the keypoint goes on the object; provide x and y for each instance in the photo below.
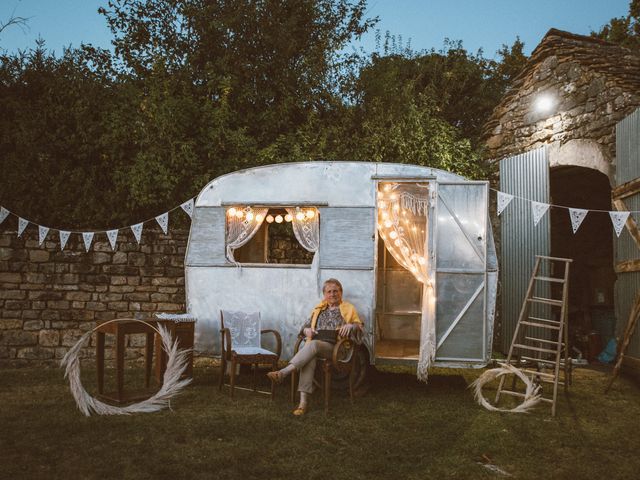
(461, 271)
(626, 251)
(525, 176)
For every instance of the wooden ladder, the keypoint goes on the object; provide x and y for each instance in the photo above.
(546, 352)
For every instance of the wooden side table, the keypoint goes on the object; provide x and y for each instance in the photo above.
(120, 329)
(184, 333)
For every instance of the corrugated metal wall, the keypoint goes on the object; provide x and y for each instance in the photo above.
(527, 176)
(627, 169)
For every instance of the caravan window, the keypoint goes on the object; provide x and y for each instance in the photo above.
(273, 235)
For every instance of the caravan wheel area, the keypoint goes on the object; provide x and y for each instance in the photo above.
(411, 245)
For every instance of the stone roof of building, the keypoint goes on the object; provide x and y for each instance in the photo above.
(619, 64)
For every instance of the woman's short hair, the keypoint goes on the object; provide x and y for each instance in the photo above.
(332, 281)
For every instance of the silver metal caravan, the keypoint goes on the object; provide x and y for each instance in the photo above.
(458, 240)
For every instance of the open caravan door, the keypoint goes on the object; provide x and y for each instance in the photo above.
(463, 275)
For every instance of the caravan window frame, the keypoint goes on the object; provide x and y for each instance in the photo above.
(271, 205)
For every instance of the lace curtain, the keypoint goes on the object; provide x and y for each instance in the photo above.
(242, 229)
(306, 227)
(403, 209)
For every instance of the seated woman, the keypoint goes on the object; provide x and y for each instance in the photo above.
(328, 317)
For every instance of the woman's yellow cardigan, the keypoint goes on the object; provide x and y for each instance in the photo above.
(348, 312)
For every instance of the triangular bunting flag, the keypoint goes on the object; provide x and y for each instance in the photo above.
(163, 221)
(538, 209)
(618, 219)
(188, 207)
(88, 238)
(577, 216)
(503, 201)
(112, 235)
(137, 231)
(42, 233)
(4, 213)
(22, 224)
(64, 236)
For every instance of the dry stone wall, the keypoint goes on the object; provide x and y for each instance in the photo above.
(50, 298)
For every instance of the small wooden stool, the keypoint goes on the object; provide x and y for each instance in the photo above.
(120, 329)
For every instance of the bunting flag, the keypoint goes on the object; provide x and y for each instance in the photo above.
(137, 231)
(64, 236)
(22, 224)
(577, 216)
(112, 235)
(538, 209)
(186, 206)
(503, 200)
(619, 219)
(88, 238)
(4, 213)
(42, 233)
(163, 221)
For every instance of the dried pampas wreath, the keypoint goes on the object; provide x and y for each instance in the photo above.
(177, 361)
(532, 393)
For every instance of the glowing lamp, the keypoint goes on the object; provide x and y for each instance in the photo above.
(259, 218)
(388, 223)
(544, 103)
(300, 216)
(239, 214)
(279, 219)
(288, 217)
(249, 216)
(269, 218)
(397, 243)
(311, 213)
(393, 235)
(231, 212)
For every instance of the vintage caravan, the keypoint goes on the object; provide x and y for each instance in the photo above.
(411, 245)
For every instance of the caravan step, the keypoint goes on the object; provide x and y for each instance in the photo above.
(548, 301)
(536, 349)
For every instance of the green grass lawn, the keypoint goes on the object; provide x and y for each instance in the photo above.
(399, 429)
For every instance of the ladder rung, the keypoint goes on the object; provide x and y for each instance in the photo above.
(565, 260)
(550, 342)
(554, 322)
(537, 349)
(550, 279)
(548, 301)
(531, 359)
(522, 395)
(537, 373)
(543, 325)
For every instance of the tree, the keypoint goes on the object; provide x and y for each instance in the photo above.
(624, 31)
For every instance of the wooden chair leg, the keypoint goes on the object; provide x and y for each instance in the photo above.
(223, 371)
(233, 376)
(327, 389)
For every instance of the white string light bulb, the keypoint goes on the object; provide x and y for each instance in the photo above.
(300, 216)
(231, 212)
(279, 219)
(288, 217)
(269, 218)
(259, 218)
(311, 213)
(249, 216)
(239, 214)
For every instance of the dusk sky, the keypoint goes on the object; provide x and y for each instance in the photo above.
(483, 24)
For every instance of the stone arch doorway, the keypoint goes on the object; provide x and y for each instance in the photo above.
(591, 302)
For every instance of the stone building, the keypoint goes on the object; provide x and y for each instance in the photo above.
(554, 137)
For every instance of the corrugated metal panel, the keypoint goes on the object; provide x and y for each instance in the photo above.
(526, 176)
(627, 169)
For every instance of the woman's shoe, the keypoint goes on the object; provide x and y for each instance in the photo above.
(300, 410)
(275, 377)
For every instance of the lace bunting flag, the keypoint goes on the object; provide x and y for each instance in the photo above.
(42, 233)
(64, 236)
(112, 235)
(88, 238)
(137, 231)
(503, 200)
(4, 213)
(22, 224)
(538, 209)
(163, 221)
(618, 219)
(577, 216)
(188, 207)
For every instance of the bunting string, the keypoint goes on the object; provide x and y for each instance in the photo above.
(88, 235)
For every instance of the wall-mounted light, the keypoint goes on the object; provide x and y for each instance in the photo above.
(544, 103)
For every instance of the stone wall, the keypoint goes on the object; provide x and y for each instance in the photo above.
(50, 298)
(593, 85)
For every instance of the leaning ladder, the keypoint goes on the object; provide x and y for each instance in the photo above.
(527, 350)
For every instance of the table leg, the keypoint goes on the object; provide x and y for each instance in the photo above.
(100, 360)
(119, 364)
